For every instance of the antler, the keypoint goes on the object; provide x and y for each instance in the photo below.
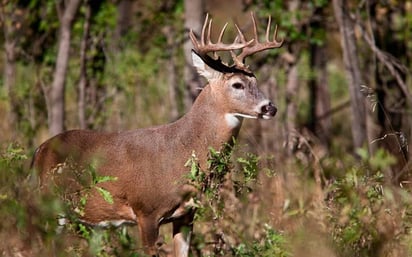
(206, 46)
(250, 49)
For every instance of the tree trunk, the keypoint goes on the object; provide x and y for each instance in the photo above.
(353, 74)
(9, 33)
(292, 87)
(56, 113)
(83, 81)
(194, 15)
(320, 124)
(124, 17)
(172, 72)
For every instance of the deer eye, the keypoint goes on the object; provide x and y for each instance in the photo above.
(238, 85)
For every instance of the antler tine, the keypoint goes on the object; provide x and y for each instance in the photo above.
(275, 36)
(255, 33)
(219, 41)
(202, 37)
(257, 46)
(206, 45)
(275, 33)
(209, 29)
(240, 34)
(268, 30)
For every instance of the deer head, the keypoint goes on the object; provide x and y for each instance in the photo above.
(236, 83)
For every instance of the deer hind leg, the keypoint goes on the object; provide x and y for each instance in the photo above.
(182, 231)
(149, 233)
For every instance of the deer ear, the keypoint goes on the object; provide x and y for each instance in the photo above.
(203, 69)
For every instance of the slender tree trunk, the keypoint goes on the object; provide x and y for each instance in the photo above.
(83, 81)
(320, 124)
(9, 33)
(353, 74)
(194, 15)
(56, 114)
(124, 17)
(292, 87)
(172, 71)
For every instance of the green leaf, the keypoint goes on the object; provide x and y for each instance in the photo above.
(101, 179)
(107, 196)
(84, 231)
(363, 153)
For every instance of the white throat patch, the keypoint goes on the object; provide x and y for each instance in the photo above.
(234, 120)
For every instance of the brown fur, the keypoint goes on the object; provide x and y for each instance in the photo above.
(149, 163)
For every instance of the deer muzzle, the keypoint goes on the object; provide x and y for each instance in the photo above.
(268, 111)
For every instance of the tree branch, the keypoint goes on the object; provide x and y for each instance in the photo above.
(390, 62)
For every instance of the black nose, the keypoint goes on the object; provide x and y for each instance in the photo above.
(269, 109)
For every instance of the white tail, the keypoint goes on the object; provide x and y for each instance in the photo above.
(148, 164)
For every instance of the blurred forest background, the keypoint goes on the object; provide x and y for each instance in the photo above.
(332, 168)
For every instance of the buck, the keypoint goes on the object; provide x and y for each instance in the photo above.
(150, 187)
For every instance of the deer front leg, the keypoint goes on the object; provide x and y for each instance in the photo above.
(149, 232)
(182, 231)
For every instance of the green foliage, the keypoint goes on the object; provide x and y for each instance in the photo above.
(74, 185)
(106, 242)
(26, 213)
(140, 79)
(288, 20)
(364, 212)
(249, 166)
(112, 241)
(23, 214)
(209, 182)
(358, 198)
(379, 161)
(101, 179)
(272, 244)
(219, 185)
(364, 216)
(13, 154)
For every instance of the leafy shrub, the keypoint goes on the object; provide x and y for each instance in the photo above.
(272, 244)
(366, 214)
(224, 188)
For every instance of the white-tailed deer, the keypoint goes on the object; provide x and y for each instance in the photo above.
(150, 188)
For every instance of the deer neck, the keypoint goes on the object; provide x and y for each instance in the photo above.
(208, 124)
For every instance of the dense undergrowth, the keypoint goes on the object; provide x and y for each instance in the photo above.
(355, 212)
